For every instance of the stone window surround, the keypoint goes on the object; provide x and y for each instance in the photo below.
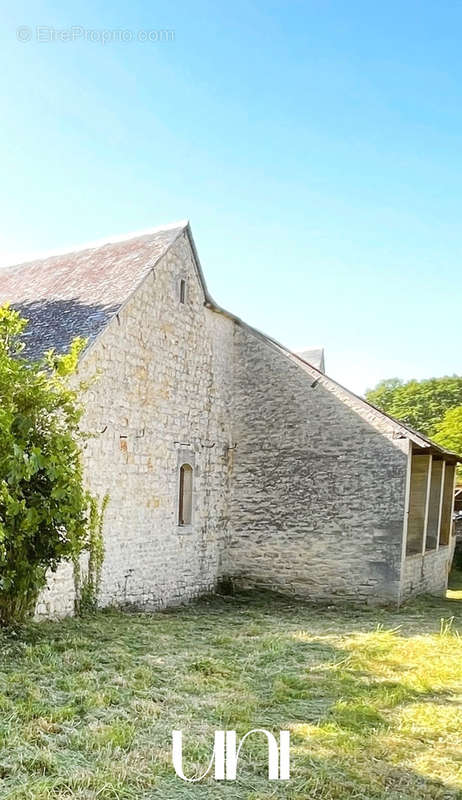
(185, 456)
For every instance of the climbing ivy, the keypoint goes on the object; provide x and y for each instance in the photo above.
(87, 589)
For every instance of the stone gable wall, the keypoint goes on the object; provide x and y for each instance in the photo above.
(163, 396)
(318, 490)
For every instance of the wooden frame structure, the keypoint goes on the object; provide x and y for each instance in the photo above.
(430, 503)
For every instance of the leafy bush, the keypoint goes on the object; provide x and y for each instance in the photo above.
(45, 509)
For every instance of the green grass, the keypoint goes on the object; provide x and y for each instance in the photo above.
(372, 699)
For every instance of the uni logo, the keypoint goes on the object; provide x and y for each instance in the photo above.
(226, 754)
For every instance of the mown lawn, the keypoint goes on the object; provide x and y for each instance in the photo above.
(372, 699)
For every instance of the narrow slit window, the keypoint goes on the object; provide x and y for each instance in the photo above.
(182, 291)
(185, 495)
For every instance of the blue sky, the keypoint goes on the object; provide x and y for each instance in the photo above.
(315, 146)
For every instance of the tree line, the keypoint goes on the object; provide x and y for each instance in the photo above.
(432, 406)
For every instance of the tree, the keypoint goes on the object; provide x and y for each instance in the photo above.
(448, 433)
(44, 506)
(420, 404)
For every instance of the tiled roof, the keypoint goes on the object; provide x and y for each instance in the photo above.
(75, 294)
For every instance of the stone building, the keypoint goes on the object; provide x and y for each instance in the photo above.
(225, 455)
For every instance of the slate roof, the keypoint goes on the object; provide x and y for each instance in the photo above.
(75, 294)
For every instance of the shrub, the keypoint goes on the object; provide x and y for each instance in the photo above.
(45, 509)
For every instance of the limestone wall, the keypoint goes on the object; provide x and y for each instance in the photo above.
(318, 488)
(427, 574)
(57, 599)
(163, 395)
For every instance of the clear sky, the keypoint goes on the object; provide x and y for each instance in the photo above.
(315, 146)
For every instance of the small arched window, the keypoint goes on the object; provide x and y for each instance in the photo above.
(185, 495)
